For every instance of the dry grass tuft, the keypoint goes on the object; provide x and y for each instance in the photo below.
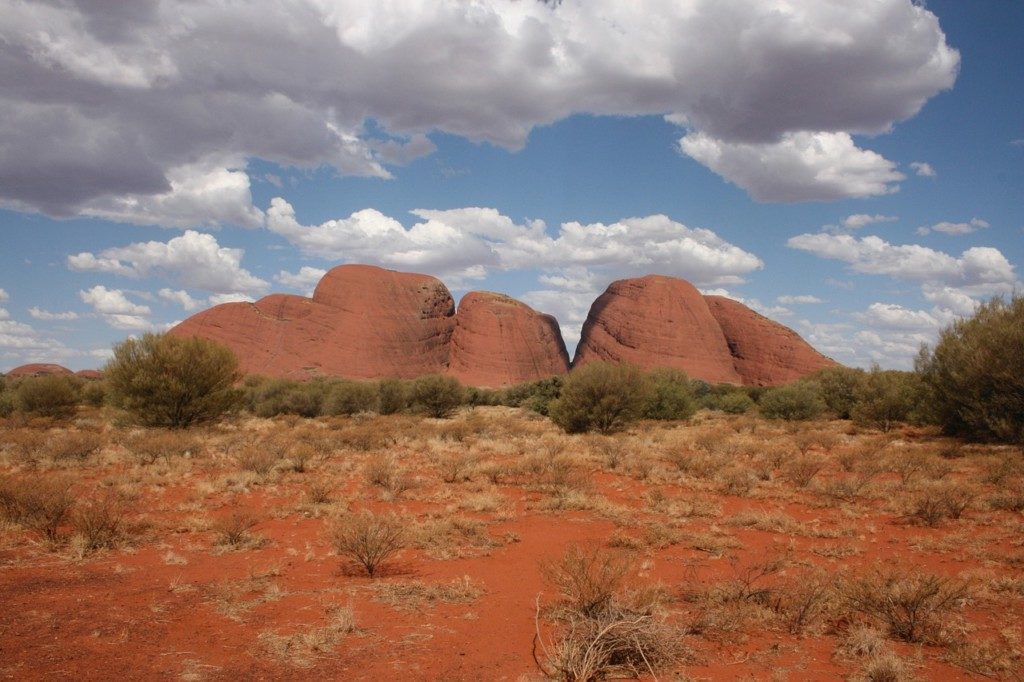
(233, 530)
(415, 594)
(301, 649)
(40, 504)
(912, 605)
(369, 539)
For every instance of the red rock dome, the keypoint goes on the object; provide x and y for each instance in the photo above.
(38, 369)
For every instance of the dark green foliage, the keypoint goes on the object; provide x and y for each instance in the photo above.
(600, 396)
(838, 386)
(885, 398)
(668, 395)
(437, 395)
(47, 396)
(392, 396)
(734, 402)
(475, 395)
(975, 374)
(351, 397)
(795, 402)
(171, 381)
(534, 395)
(270, 397)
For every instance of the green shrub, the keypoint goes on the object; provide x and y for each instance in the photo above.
(796, 402)
(266, 397)
(172, 381)
(885, 398)
(534, 395)
(437, 395)
(599, 396)
(668, 395)
(351, 397)
(734, 402)
(975, 374)
(94, 393)
(392, 396)
(838, 386)
(47, 396)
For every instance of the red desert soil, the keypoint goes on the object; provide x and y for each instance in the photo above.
(485, 498)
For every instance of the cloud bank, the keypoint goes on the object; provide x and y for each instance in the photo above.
(147, 111)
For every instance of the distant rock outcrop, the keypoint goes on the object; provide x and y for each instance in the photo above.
(89, 374)
(765, 352)
(657, 321)
(38, 369)
(365, 322)
(499, 341)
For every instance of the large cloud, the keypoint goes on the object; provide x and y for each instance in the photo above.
(134, 110)
(194, 260)
(979, 269)
(467, 242)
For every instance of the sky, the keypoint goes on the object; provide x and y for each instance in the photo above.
(852, 170)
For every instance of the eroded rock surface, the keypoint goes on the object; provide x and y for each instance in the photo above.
(765, 352)
(657, 321)
(500, 341)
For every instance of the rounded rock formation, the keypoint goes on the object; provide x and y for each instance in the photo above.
(363, 322)
(657, 321)
(499, 341)
(39, 369)
(765, 352)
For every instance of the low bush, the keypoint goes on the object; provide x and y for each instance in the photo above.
(392, 396)
(668, 396)
(795, 402)
(587, 578)
(351, 397)
(885, 398)
(41, 504)
(910, 603)
(150, 445)
(437, 395)
(734, 402)
(233, 529)
(838, 388)
(599, 396)
(99, 522)
(369, 539)
(47, 396)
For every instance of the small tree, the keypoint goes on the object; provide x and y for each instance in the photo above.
(975, 374)
(795, 402)
(172, 381)
(437, 395)
(600, 396)
(351, 397)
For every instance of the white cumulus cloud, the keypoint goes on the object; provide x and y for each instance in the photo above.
(194, 259)
(801, 166)
(45, 315)
(801, 299)
(923, 170)
(950, 228)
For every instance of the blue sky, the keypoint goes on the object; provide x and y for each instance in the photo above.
(852, 170)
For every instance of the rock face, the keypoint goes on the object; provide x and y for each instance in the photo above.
(363, 322)
(657, 321)
(499, 341)
(38, 369)
(765, 352)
